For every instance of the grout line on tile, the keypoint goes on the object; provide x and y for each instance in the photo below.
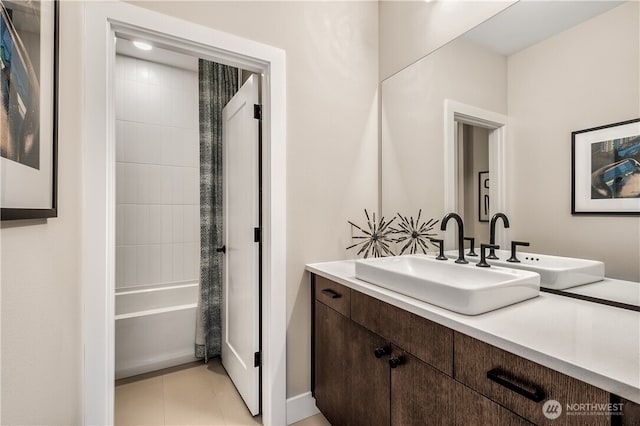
(164, 400)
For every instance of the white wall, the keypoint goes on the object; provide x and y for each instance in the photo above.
(332, 108)
(41, 308)
(157, 174)
(413, 120)
(581, 78)
(409, 30)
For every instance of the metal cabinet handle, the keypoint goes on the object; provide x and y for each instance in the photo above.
(498, 376)
(397, 361)
(332, 294)
(380, 352)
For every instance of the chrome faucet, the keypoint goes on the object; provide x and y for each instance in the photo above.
(443, 226)
(492, 232)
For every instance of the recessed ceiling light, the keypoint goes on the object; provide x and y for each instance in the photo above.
(142, 45)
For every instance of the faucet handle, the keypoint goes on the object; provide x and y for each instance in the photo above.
(471, 246)
(492, 252)
(440, 244)
(514, 244)
(483, 254)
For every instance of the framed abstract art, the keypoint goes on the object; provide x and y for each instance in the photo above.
(605, 176)
(28, 112)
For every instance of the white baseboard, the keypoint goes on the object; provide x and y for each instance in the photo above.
(300, 407)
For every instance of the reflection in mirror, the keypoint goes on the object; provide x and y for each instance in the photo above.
(473, 179)
(549, 68)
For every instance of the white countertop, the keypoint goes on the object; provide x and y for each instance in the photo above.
(595, 343)
(627, 292)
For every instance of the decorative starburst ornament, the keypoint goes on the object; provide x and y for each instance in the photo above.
(376, 239)
(414, 235)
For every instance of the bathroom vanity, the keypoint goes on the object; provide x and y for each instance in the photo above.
(381, 358)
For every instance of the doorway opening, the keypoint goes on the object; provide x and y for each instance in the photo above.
(458, 117)
(186, 208)
(104, 22)
(473, 180)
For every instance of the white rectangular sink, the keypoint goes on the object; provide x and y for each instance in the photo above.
(556, 272)
(465, 289)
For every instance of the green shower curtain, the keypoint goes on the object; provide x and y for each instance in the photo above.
(217, 85)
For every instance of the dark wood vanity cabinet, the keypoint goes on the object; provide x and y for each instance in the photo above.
(344, 367)
(331, 390)
(474, 359)
(376, 364)
(345, 363)
(369, 379)
(361, 377)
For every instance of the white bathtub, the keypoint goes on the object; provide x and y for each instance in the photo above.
(155, 327)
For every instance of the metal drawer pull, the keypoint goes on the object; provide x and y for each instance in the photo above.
(500, 377)
(332, 294)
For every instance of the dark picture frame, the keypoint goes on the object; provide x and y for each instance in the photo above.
(483, 196)
(29, 143)
(605, 169)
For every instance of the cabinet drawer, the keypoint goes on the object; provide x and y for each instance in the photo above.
(428, 341)
(522, 385)
(473, 408)
(630, 413)
(420, 395)
(332, 294)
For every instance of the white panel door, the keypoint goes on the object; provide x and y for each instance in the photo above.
(240, 307)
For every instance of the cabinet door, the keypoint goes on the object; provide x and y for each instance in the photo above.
(420, 394)
(369, 378)
(430, 342)
(630, 413)
(331, 364)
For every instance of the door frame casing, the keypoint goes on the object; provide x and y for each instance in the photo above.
(103, 20)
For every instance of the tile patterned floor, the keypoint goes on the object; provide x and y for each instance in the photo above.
(317, 420)
(195, 394)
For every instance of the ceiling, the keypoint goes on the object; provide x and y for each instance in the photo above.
(157, 54)
(528, 22)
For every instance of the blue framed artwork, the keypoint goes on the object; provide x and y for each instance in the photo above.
(28, 109)
(605, 170)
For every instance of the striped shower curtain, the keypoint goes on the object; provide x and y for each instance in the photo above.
(217, 83)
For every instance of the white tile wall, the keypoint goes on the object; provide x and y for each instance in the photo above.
(157, 174)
